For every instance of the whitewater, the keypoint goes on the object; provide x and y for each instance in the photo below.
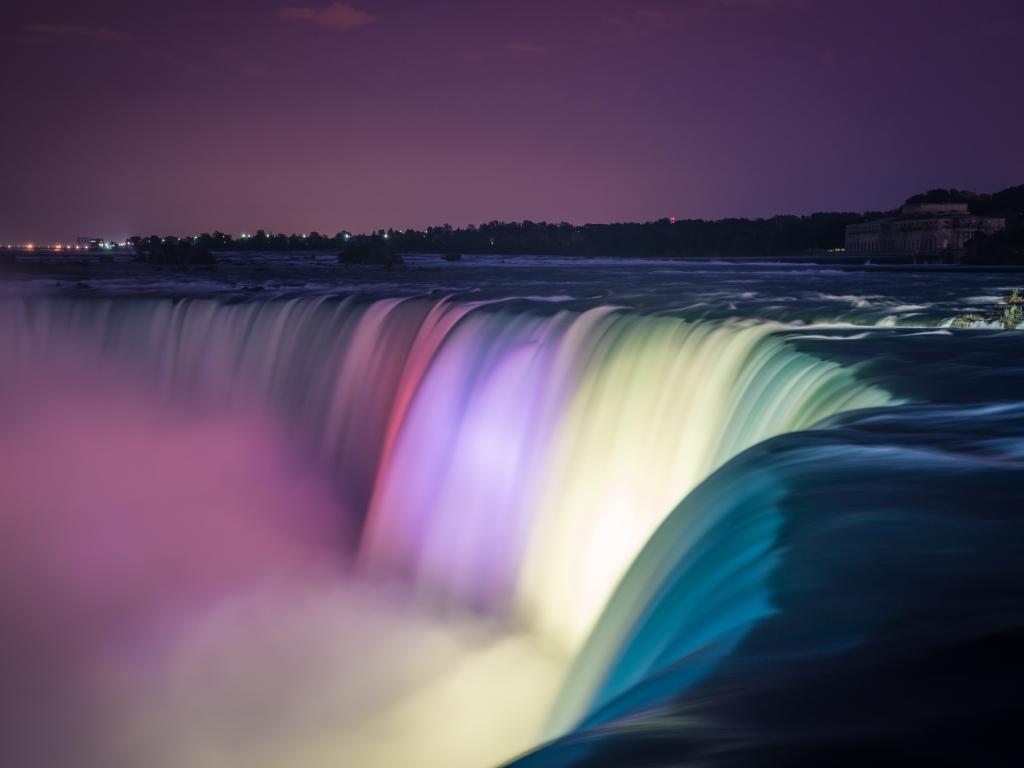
(453, 528)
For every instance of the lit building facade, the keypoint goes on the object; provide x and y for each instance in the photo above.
(921, 229)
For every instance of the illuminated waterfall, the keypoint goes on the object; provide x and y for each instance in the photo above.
(542, 452)
(512, 461)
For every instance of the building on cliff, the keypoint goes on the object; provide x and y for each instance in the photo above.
(926, 231)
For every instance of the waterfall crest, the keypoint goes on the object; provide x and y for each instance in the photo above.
(502, 463)
(511, 461)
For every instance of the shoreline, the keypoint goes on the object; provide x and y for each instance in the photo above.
(43, 262)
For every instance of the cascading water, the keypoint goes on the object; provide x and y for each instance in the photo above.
(847, 592)
(498, 459)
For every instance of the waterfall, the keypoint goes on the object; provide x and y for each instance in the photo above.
(505, 459)
(854, 583)
(502, 458)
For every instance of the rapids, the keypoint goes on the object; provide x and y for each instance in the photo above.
(384, 530)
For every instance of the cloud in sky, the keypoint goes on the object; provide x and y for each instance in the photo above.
(517, 46)
(337, 17)
(740, 7)
(77, 30)
(635, 22)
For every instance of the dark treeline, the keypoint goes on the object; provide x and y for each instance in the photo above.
(776, 236)
(171, 250)
(1008, 202)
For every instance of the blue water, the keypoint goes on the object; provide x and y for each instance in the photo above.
(792, 291)
(877, 564)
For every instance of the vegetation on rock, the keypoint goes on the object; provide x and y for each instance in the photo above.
(1009, 313)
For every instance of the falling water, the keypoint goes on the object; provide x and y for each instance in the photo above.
(497, 459)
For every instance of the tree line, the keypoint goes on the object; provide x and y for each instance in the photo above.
(770, 237)
(777, 236)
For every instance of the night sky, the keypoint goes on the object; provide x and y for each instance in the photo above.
(130, 116)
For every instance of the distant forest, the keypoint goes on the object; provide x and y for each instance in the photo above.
(776, 236)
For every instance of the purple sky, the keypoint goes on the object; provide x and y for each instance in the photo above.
(137, 116)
